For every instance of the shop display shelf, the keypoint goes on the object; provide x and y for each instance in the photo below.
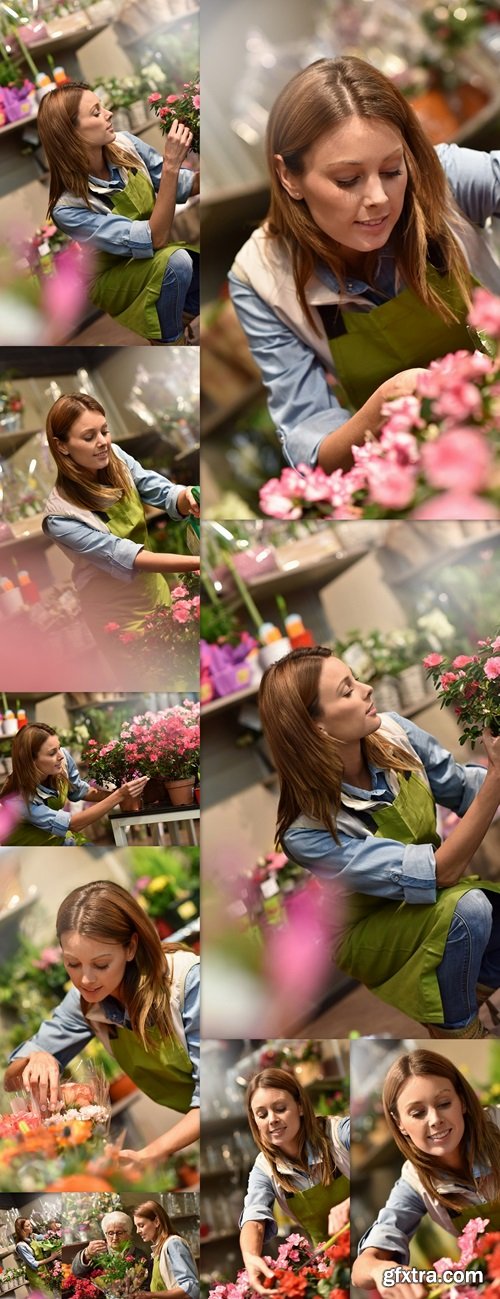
(454, 555)
(298, 575)
(228, 701)
(16, 126)
(66, 41)
(26, 530)
(165, 26)
(9, 442)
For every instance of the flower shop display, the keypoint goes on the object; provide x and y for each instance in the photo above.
(470, 684)
(11, 1278)
(183, 107)
(299, 1270)
(120, 1274)
(164, 745)
(167, 885)
(168, 635)
(437, 457)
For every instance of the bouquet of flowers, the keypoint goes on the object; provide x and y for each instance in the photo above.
(120, 1274)
(300, 1271)
(470, 684)
(480, 1254)
(44, 245)
(437, 457)
(183, 107)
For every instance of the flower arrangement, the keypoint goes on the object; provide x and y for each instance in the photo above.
(183, 107)
(480, 1252)
(35, 249)
(120, 1274)
(165, 744)
(470, 684)
(300, 1271)
(168, 631)
(437, 457)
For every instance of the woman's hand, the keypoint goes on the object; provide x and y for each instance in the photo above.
(400, 385)
(256, 1269)
(133, 788)
(41, 1077)
(135, 1160)
(338, 1217)
(94, 1248)
(177, 145)
(187, 504)
(492, 746)
(403, 1290)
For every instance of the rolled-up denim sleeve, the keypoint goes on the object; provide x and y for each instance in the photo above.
(45, 818)
(379, 867)
(183, 1268)
(454, 784)
(115, 555)
(474, 177)
(191, 1022)
(259, 1203)
(63, 1036)
(106, 231)
(397, 1222)
(155, 489)
(301, 402)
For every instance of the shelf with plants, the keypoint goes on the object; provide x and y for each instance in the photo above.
(16, 126)
(454, 555)
(67, 41)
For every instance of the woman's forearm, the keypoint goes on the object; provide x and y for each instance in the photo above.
(177, 1138)
(366, 1269)
(156, 562)
(252, 1239)
(80, 820)
(160, 221)
(455, 854)
(335, 451)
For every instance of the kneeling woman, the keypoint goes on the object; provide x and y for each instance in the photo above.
(452, 1169)
(174, 1268)
(95, 513)
(138, 996)
(45, 776)
(357, 806)
(116, 195)
(303, 1164)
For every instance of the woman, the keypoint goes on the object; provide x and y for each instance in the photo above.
(303, 1164)
(357, 806)
(45, 776)
(95, 513)
(38, 1271)
(139, 997)
(452, 1169)
(365, 264)
(174, 1268)
(115, 194)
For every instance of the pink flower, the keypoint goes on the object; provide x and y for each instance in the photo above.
(433, 660)
(456, 505)
(390, 485)
(447, 679)
(492, 668)
(153, 99)
(460, 459)
(496, 644)
(275, 501)
(181, 611)
(196, 101)
(459, 401)
(485, 312)
(462, 660)
(172, 99)
(112, 626)
(179, 592)
(403, 414)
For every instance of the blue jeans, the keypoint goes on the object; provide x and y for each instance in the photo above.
(179, 292)
(471, 956)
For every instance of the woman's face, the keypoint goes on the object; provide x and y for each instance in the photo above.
(278, 1118)
(96, 966)
(94, 122)
(146, 1228)
(28, 1229)
(431, 1114)
(49, 760)
(88, 443)
(346, 708)
(353, 183)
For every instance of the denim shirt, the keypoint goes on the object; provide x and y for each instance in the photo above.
(106, 231)
(183, 1267)
(302, 402)
(68, 1032)
(37, 812)
(262, 1193)
(384, 867)
(116, 555)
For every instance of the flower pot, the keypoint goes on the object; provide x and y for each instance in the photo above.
(196, 793)
(154, 791)
(179, 791)
(131, 804)
(121, 1087)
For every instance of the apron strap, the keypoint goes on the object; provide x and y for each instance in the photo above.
(333, 320)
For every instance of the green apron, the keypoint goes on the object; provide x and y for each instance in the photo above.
(491, 1210)
(311, 1207)
(164, 1074)
(128, 288)
(32, 836)
(395, 948)
(369, 347)
(104, 599)
(157, 1282)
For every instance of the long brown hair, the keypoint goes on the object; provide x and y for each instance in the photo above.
(75, 483)
(151, 1210)
(57, 125)
(102, 909)
(25, 777)
(319, 99)
(481, 1141)
(20, 1227)
(309, 762)
(312, 1129)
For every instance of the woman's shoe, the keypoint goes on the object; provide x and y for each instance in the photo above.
(491, 1018)
(474, 1029)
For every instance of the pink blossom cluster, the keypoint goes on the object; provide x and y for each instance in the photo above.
(438, 455)
(185, 608)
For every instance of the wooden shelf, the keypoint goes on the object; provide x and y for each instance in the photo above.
(228, 701)
(165, 26)
(454, 555)
(297, 575)
(16, 126)
(66, 41)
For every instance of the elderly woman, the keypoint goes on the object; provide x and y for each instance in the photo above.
(117, 1229)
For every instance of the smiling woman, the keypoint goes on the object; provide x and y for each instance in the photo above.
(365, 264)
(116, 195)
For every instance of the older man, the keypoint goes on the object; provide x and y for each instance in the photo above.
(117, 1229)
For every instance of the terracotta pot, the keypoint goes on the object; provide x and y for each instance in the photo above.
(180, 791)
(121, 1087)
(131, 804)
(435, 115)
(189, 1176)
(154, 791)
(196, 792)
